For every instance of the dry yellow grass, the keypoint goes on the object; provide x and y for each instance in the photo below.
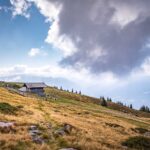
(92, 123)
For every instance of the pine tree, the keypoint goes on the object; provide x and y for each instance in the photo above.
(109, 99)
(72, 91)
(61, 88)
(104, 103)
(80, 92)
(145, 109)
(142, 108)
(131, 107)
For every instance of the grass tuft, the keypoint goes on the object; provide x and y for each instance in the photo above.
(140, 130)
(21, 145)
(7, 108)
(138, 142)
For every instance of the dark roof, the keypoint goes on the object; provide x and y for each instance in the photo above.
(35, 85)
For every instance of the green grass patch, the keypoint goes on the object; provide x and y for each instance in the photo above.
(138, 142)
(139, 124)
(63, 143)
(8, 109)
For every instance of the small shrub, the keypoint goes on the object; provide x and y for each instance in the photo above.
(63, 143)
(7, 108)
(15, 86)
(46, 136)
(113, 125)
(138, 142)
(20, 106)
(2, 143)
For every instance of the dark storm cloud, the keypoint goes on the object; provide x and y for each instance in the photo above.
(105, 44)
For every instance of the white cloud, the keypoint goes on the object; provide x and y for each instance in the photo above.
(97, 53)
(51, 11)
(36, 52)
(14, 79)
(62, 42)
(47, 8)
(82, 77)
(124, 15)
(143, 70)
(33, 52)
(20, 7)
(146, 67)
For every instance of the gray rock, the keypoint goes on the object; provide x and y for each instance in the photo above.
(6, 124)
(35, 134)
(33, 127)
(68, 128)
(38, 140)
(147, 134)
(33, 131)
(6, 127)
(32, 134)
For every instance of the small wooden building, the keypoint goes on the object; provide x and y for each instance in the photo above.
(37, 88)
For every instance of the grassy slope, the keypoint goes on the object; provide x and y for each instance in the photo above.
(64, 94)
(91, 122)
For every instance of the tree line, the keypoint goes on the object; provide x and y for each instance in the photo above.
(104, 102)
(71, 91)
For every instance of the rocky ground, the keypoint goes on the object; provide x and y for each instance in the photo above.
(67, 124)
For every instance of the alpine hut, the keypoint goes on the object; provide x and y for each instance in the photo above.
(37, 88)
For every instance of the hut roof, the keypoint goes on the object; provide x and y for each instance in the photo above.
(35, 85)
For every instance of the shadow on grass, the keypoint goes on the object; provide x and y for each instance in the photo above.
(137, 142)
(6, 108)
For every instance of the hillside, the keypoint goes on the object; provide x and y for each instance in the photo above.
(66, 120)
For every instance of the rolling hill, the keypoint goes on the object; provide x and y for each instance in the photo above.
(67, 120)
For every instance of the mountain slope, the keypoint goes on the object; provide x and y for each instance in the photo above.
(93, 127)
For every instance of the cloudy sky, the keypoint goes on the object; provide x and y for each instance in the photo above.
(101, 47)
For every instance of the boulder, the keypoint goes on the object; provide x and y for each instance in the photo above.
(66, 129)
